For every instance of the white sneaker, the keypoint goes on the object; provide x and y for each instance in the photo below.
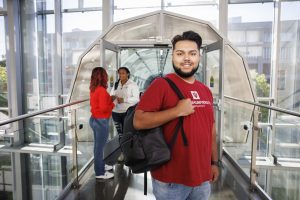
(121, 157)
(108, 167)
(107, 175)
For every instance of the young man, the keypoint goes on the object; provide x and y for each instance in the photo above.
(191, 169)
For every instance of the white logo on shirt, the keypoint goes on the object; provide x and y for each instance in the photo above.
(195, 95)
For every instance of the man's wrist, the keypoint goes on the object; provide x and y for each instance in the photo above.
(217, 163)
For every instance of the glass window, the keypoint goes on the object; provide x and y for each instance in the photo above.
(267, 53)
(281, 80)
(3, 74)
(77, 36)
(42, 5)
(130, 8)
(289, 63)
(92, 3)
(204, 10)
(44, 172)
(48, 88)
(80, 24)
(237, 36)
(6, 175)
(268, 36)
(254, 52)
(38, 55)
(252, 35)
(67, 4)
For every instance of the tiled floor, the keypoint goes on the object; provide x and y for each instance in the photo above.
(128, 186)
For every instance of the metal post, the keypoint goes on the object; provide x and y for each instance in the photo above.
(74, 147)
(107, 13)
(253, 170)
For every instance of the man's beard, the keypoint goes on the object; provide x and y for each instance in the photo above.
(182, 74)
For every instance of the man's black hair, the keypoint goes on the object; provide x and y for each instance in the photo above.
(188, 35)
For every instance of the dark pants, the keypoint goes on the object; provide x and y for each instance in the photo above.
(119, 121)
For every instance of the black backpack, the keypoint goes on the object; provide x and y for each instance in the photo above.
(145, 150)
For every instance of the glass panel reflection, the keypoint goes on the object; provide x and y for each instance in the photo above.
(144, 29)
(237, 140)
(174, 26)
(288, 86)
(287, 139)
(88, 62)
(42, 131)
(205, 10)
(146, 64)
(84, 136)
(3, 74)
(130, 8)
(47, 175)
(236, 80)
(73, 44)
(6, 177)
(212, 72)
(111, 66)
(281, 184)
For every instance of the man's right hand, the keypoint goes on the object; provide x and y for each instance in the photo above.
(146, 120)
(185, 107)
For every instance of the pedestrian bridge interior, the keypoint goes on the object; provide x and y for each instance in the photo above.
(143, 44)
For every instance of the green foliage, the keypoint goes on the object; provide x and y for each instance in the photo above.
(262, 90)
(3, 83)
(262, 87)
(2, 63)
(3, 101)
(3, 75)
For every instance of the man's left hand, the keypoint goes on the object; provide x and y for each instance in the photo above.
(214, 173)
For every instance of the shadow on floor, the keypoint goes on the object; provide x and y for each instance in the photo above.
(128, 186)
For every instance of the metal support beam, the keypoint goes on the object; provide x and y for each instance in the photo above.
(107, 13)
(14, 74)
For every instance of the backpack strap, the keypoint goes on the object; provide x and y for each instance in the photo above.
(145, 183)
(175, 88)
(180, 122)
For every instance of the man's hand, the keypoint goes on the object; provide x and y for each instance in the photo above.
(185, 107)
(214, 173)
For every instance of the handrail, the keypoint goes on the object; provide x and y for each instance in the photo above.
(297, 114)
(20, 117)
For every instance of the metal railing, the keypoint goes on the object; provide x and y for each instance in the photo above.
(21, 117)
(76, 168)
(253, 158)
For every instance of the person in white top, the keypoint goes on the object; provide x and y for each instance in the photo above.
(125, 94)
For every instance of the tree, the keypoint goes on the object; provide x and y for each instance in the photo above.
(262, 90)
(3, 84)
(3, 79)
(262, 87)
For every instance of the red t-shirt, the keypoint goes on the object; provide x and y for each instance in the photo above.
(189, 165)
(101, 103)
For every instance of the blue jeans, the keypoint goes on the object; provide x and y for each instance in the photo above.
(100, 129)
(173, 191)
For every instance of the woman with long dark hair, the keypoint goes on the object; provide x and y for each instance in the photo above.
(101, 109)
